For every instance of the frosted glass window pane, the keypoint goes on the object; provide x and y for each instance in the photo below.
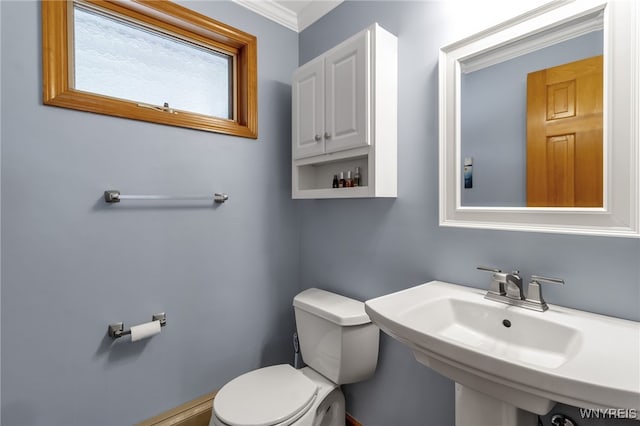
(117, 59)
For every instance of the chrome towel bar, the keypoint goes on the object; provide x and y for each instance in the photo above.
(114, 196)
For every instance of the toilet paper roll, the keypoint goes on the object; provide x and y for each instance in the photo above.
(145, 330)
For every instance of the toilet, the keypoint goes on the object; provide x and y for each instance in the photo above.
(339, 344)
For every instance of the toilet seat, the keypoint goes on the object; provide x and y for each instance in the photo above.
(276, 395)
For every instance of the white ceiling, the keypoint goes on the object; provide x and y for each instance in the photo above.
(293, 14)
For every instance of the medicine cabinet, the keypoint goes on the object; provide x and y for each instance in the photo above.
(345, 116)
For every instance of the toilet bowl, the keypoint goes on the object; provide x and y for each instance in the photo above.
(339, 345)
(279, 395)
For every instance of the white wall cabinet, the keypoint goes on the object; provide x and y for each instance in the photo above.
(345, 116)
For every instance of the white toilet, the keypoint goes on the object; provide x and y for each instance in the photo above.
(339, 344)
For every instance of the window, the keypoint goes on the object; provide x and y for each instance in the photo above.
(149, 60)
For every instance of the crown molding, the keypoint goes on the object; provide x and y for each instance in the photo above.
(273, 10)
(314, 11)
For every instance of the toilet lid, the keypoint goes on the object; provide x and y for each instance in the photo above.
(264, 397)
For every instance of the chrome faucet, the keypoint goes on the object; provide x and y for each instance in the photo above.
(514, 286)
(508, 288)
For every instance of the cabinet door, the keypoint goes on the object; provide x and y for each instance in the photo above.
(347, 70)
(308, 110)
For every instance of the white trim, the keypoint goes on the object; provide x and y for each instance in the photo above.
(272, 10)
(314, 11)
(286, 17)
(634, 94)
(593, 21)
(620, 215)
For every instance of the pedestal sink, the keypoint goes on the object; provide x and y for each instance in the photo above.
(509, 363)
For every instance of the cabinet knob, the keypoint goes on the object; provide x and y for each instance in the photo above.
(327, 135)
(318, 138)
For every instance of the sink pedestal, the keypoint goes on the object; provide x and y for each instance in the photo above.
(475, 408)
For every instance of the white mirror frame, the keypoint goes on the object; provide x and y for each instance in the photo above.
(553, 22)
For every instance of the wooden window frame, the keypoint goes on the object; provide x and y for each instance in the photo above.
(170, 18)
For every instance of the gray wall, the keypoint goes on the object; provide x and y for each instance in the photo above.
(226, 276)
(494, 121)
(71, 265)
(0, 214)
(367, 248)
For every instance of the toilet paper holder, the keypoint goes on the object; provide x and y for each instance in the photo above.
(117, 328)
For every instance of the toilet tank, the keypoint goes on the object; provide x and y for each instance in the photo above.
(337, 338)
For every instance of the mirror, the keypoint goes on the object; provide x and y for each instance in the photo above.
(489, 171)
(500, 107)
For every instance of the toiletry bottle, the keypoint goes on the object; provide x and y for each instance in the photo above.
(349, 182)
(341, 181)
(468, 172)
(356, 177)
(335, 181)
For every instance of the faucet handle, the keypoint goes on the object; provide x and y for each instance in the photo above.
(539, 279)
(498, 280)
(534, 292)
(486, 268)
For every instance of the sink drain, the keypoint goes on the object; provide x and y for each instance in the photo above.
(506, 323)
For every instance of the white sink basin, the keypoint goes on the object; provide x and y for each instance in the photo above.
(526, 339)
(526, 358)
